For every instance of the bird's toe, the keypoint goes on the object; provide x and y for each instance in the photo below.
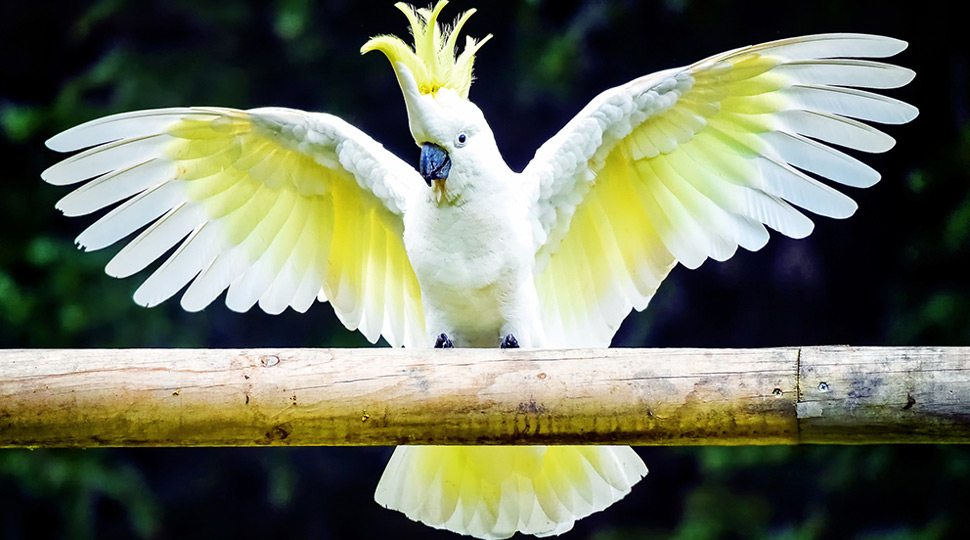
(509, 342)
(443, 342)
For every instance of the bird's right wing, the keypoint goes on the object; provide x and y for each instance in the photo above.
(690, 163)
(279, 206)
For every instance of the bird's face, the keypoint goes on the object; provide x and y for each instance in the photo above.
(456, 145)
(458, 150)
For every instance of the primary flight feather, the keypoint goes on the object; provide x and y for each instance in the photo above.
(281, 207)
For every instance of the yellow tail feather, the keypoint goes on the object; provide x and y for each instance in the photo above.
(492, 492)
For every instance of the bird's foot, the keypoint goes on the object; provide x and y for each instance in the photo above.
(509, 342)
(443, 342)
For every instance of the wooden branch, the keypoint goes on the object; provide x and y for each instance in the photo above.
(181, 397)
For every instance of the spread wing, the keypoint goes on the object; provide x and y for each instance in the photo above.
(690, 163)
(279, 206)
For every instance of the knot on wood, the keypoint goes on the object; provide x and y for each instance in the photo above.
(279, 432)
(910, 401)
(531, 407)
(269, 360)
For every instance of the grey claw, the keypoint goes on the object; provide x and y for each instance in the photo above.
(443, 342)
(509, 342)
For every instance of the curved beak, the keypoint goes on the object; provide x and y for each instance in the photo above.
(435, 163)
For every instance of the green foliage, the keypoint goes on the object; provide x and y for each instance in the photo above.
(932, 301)
(78, 481)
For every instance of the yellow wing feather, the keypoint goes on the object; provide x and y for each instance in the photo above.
(689, 164)
(260, 203)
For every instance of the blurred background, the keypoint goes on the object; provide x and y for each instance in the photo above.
(894, 274)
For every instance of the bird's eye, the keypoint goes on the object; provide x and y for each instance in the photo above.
(461, 139)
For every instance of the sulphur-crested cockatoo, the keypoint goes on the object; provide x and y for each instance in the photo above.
(284, 207)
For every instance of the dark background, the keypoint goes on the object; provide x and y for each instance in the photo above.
(894, 274)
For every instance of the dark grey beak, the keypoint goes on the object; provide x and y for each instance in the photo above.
(435, 163)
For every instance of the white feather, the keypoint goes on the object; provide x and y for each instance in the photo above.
(264, 261)
(727, 196)
(115, 186)
(375, 277)
(154, 241)
(213, 279)
(836, 130)
(783, 181)
(284, 287)
(129, 125)
(820, 159)
(194, 254)
(131, 216)
(310, 282)
(845, 72)
(850, 102)
(104, 159)
(833, 46)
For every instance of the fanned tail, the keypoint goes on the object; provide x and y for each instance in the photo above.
(492, 492)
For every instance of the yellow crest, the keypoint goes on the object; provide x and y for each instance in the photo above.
(433, 60)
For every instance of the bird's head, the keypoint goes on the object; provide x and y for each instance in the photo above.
(456, 141)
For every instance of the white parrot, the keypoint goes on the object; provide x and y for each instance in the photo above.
(282, 207)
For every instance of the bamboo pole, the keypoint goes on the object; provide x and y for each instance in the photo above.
(182, 397)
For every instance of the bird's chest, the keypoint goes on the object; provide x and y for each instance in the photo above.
(469, 259)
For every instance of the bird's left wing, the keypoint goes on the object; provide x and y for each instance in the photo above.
(690, 163)
(279, 206)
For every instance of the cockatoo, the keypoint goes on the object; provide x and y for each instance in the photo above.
(282, 207)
